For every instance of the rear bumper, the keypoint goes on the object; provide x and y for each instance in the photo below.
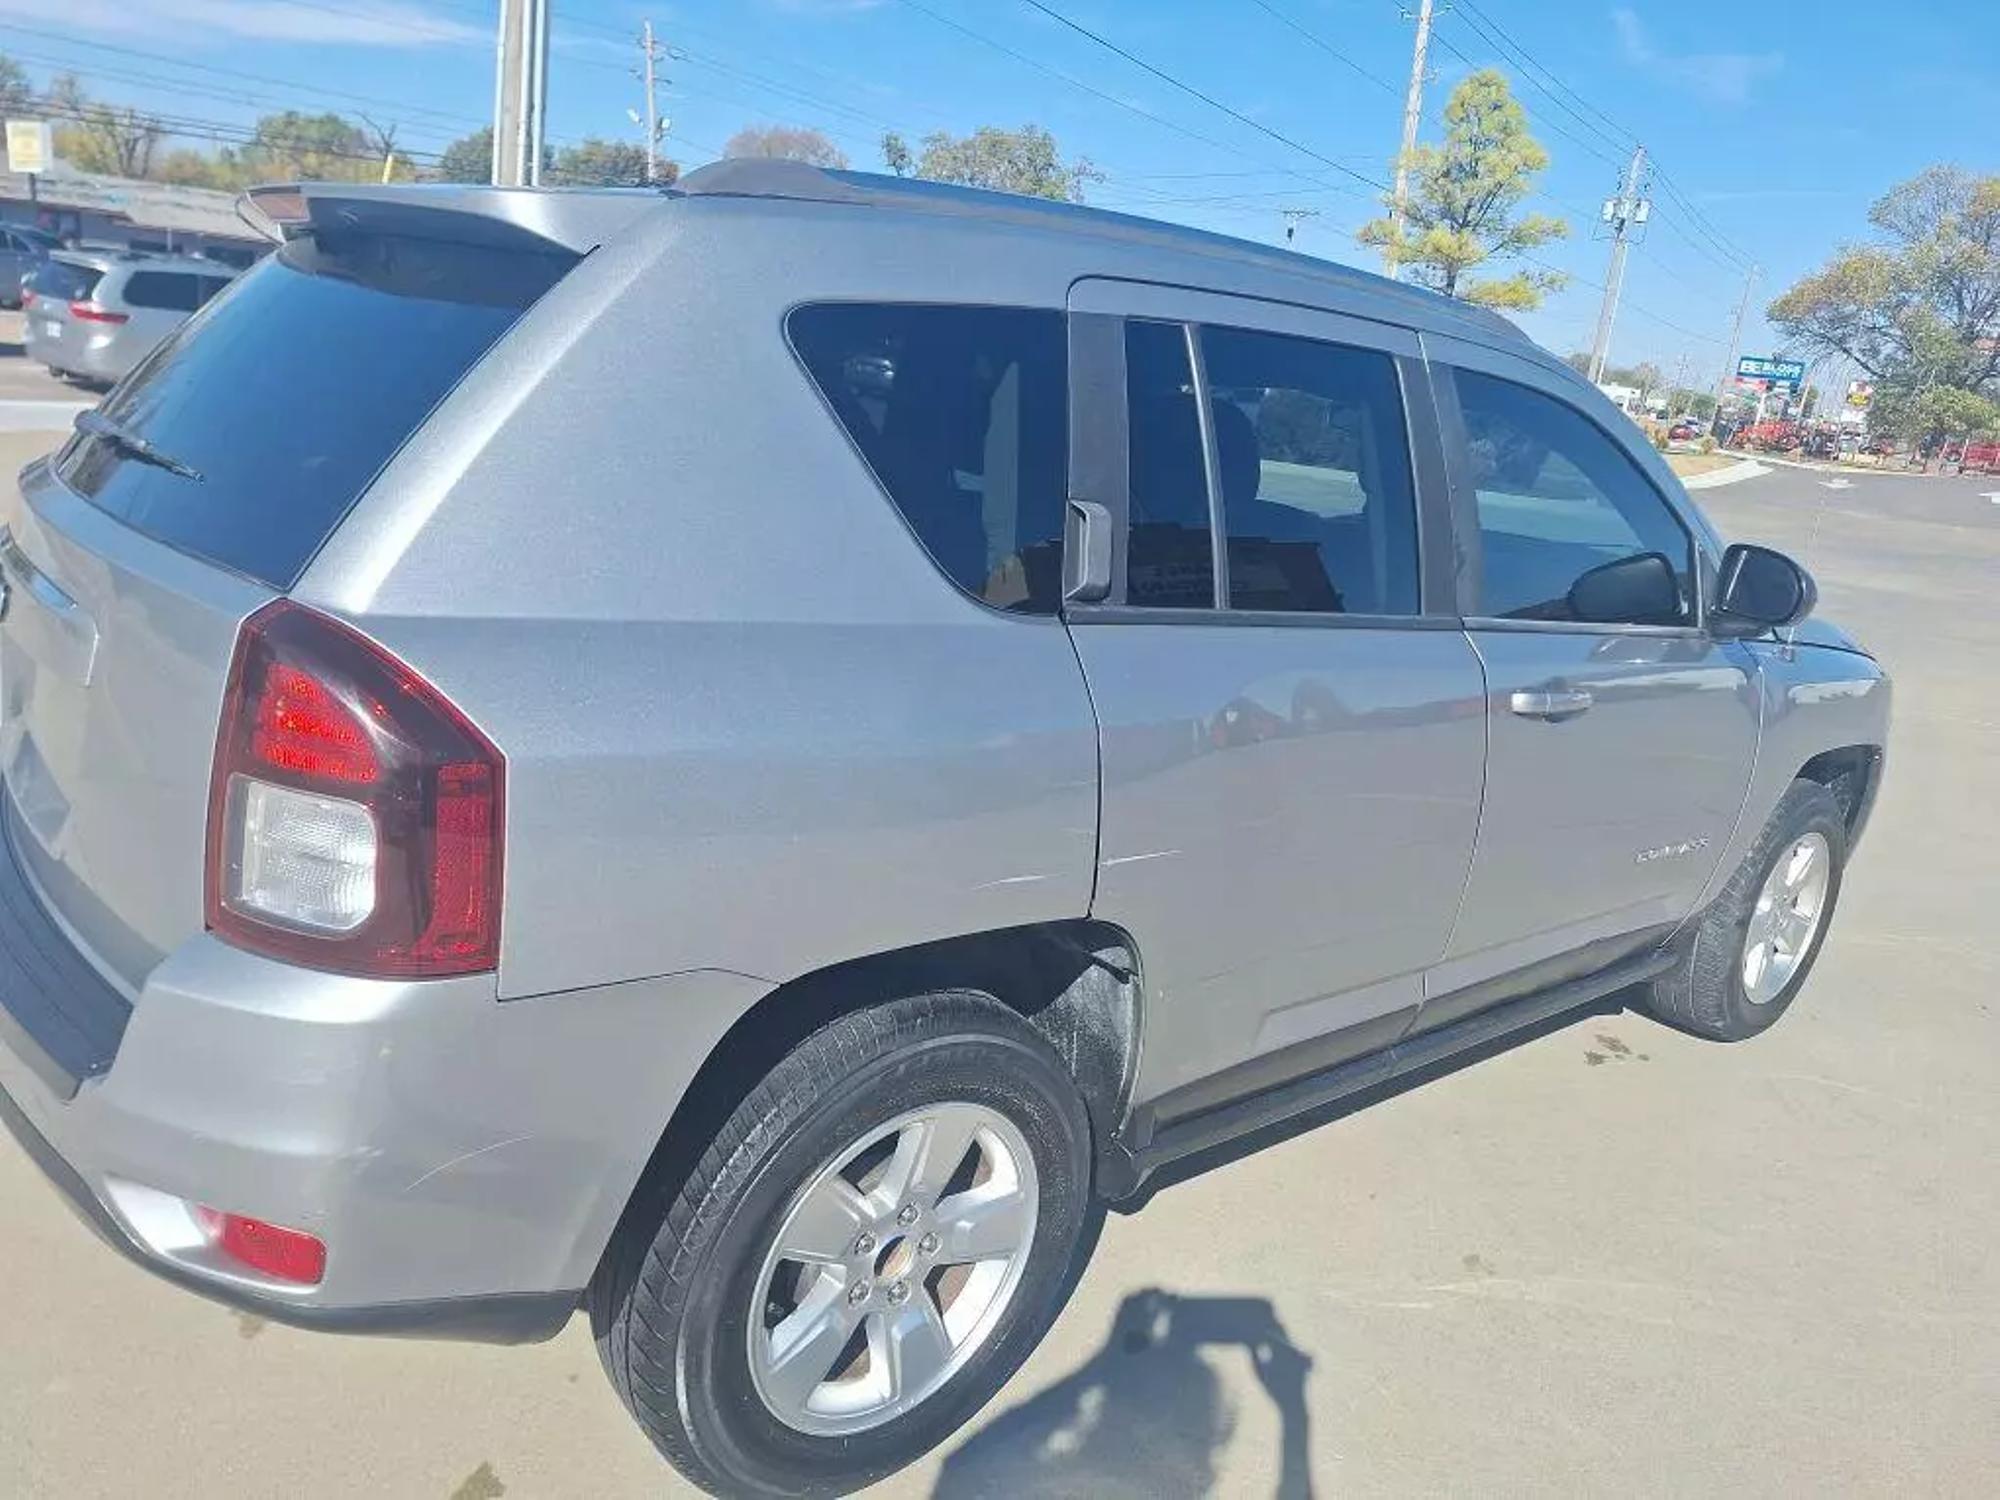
(98, 354)
(463, 1159)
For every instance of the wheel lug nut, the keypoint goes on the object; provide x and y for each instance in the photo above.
(928, 1245)
(899, 1293)
(858, 1293)
(907, 1215)
(864, 1244)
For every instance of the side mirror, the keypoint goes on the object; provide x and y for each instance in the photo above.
(1758, 589)
(1637, 590)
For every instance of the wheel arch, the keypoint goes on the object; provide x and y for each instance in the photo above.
(1077, 982)
(1852, 773)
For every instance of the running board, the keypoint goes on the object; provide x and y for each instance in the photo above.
(1122, 1171)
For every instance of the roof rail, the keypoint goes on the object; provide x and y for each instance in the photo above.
(763, 177)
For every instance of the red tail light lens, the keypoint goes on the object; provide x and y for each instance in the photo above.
(279, 1253)
(90, 312)
(27, 298)
(355, 816)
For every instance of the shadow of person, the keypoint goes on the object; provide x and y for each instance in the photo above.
(1146, 1415)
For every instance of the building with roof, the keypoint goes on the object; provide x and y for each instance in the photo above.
(93, 209)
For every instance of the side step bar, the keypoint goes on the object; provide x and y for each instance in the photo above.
(1122, 1171)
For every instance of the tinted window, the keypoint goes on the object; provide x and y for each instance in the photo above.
(166, 291)
(288, 396)
(64, 281)
(210, 286)
(1557, 498)
(1170, 563)
(962, 413)
(1315, 468)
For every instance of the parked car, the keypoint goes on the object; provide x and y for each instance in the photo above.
(22, 251)
(94, 314)
(506, 812)
(1684, 432)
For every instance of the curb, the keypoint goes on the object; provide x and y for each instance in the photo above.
(1748, 468)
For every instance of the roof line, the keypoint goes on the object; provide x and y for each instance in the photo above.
(801, 182)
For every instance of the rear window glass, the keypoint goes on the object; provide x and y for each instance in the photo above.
(65, 282)
(961, 412)
(290, 394)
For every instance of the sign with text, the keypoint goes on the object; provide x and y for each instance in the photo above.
(30, 145)
(1778, 371)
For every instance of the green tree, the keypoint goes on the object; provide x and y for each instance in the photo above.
(1464, 199)
(1918, 309)
(1024, 161)
(785, 142)
(16, 92)
(119, 142)
(1936, 411)
(599, 163)
(469, 158)
(316, 148)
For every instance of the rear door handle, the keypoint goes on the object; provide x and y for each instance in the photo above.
(1551, 703)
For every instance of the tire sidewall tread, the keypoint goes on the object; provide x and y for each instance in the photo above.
(670, 1303)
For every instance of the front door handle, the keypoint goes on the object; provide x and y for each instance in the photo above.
(1551, 703)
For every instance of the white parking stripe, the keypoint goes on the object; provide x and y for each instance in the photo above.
(40, 416)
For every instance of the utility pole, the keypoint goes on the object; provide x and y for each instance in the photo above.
(1735, 348)
(1621, 213)
(651, 53)
(520, 92)
(1413, 114)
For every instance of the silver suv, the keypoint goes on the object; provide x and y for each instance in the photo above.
(94, 314)
(737, 758)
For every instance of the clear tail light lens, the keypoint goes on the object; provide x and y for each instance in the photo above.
(355, 816)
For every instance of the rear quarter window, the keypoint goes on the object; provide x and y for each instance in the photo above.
(289, 395)
(962, 414)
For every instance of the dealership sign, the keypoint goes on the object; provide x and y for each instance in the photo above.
(1773, 371)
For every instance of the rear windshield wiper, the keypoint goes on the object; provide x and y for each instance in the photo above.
(95, 424)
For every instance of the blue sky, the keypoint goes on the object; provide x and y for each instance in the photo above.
(1774, 126)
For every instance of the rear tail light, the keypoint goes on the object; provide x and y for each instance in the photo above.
(90, 312)
(355, 816)
(27, 298)
(274, 1251)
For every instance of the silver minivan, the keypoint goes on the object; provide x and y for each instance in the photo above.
(94, 314)
(737, 759)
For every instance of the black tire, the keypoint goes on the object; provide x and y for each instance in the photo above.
(1704, 994)
(670, 1304)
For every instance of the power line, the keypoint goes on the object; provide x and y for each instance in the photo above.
(1210, 100)
(1481, 21)
(1325, 46)
(1590, 146)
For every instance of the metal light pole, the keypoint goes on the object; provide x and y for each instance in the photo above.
(1413, 113)
(1622, 212)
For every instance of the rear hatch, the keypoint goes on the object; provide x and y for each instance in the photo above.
(203, 487)
(46, 322)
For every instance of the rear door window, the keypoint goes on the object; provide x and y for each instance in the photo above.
(1170, 556)
(289, 396)
(962, 414)
(163, 291)
(1314, 461)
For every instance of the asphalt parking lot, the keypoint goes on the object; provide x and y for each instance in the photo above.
(1609, 1260)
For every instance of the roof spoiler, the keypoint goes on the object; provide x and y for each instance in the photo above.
(503, 218)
